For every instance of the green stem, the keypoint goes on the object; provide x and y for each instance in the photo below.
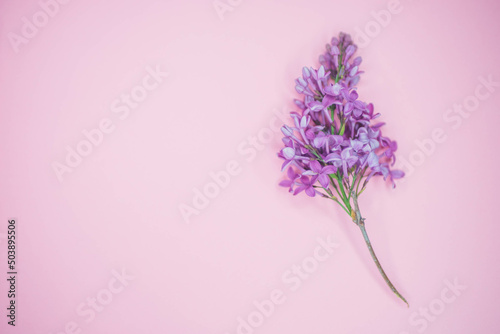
(361, 223)
(330, 196)
(351, 188)
(359, 181)
(337, 201)
(336, 188)
(344, 196)
(332, 179)
(342, 128)
(332, 127)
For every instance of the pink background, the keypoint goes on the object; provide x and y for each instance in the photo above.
(119, 209)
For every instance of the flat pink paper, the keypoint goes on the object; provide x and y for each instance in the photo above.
(102, 244)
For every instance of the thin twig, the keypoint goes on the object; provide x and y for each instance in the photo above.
(361, 223)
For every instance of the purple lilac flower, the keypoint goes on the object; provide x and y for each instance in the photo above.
(333, 126)
(322, 172)
(333, 148)
(306, 184)
(346, 159)
(292, 176)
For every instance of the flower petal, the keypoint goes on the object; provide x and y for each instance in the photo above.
(332, 157)
(286, 183)
(299, 189)
(315, 166)
(324, 180)
(329, 170)
(310, 191)
(291, 174)
(288, 153)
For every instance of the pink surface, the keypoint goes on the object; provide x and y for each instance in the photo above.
(231, 268)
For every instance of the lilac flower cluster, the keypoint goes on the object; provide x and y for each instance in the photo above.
(334, 144)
